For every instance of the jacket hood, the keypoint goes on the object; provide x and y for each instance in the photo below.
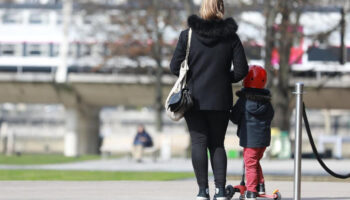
(253, 94)
(259, 100)
(210, 32)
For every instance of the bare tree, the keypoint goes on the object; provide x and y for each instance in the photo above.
(285, 34)
(190, 7)
(141, 28)
(280, 35)
(142, 25)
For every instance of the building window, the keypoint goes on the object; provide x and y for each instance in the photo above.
(55, 50)
(55, 1)
(33, 1)
(85, 50)
(59, 19)
(34, 50)
(38, 49)
(35, 18)
(8, 49)
(101, 49)
(11, 18)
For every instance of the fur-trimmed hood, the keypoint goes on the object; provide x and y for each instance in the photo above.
(261, 95)
(258, 100)
(210, 31)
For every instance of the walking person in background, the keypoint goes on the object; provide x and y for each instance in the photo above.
(253, 114)
(142, 140)
(215, 46)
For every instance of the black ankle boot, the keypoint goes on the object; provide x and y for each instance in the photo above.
(203, 194)
(249, 195)
(261, 188)
(220, 194)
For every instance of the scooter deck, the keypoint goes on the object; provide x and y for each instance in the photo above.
(273, 196)
(242, 188)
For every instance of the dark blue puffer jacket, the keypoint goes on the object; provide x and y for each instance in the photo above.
(143, 139)
(253, 114)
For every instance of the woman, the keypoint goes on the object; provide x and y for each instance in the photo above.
(215, 46)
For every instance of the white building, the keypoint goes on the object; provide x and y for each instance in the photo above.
(31, 32)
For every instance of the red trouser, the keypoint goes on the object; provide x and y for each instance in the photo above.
(254, 174)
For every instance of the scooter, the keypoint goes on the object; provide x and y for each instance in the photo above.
(241, 188)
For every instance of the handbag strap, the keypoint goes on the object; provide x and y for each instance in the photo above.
(188, 44)
(184, 82)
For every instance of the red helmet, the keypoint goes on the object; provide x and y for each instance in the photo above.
(256, 77)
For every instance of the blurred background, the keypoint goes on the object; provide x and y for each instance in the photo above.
(77, 77)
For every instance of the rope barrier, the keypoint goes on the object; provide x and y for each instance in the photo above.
(314, 149)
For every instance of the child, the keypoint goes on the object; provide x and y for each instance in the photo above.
(253, 114)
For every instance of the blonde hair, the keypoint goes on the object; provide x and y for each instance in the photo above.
(212, 9)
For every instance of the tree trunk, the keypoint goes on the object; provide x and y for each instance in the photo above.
(287, 33)
(157, 55)
(278, 80)
(159, 95)
(270, 12)
(284, 36)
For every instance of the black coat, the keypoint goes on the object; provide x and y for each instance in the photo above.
(215, 46)
(253, 114)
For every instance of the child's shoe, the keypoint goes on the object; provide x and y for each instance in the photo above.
(250, 195)
(220, 194)
(203, 194)
(261, 188)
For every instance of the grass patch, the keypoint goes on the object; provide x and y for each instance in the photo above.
(53, 175)
(42, 159)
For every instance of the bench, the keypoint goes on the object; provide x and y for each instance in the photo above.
(123, 144)
(337, 140)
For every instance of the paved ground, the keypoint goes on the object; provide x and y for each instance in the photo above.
(270, 167)
(174, 190)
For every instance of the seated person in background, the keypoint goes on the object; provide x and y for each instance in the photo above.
(142, 140)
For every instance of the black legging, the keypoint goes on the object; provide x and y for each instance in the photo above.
(207, 130)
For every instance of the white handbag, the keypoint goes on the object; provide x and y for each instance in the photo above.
(180, 83)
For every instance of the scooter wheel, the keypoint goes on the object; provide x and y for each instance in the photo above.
(230, 191)
(279, 196)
